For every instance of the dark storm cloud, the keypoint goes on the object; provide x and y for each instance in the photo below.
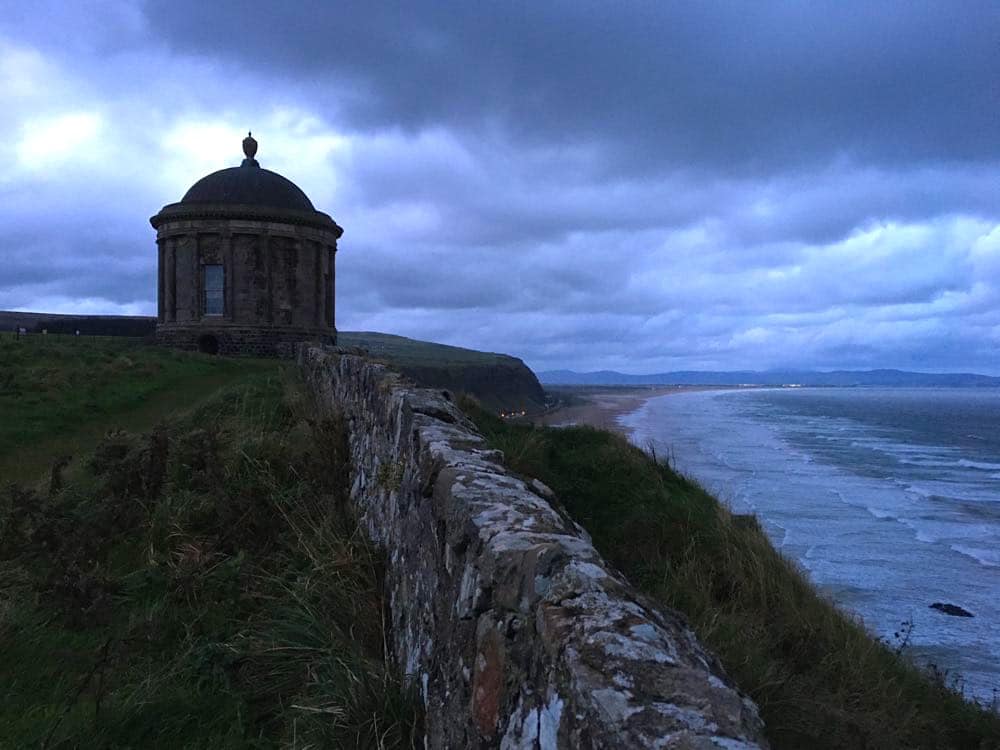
(39, 263)
(644, 187)
(713, 85)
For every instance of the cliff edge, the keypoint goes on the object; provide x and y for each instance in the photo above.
(500, 382)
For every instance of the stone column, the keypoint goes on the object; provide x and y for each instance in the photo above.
(265, 248)
(298, 289)
(228, 274)
(331, 285)
(318, 296)
(194, 310)
(160, 270)
(171, 273)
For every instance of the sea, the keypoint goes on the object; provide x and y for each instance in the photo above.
(889, 498)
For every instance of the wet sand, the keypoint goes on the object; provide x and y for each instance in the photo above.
(602, 406)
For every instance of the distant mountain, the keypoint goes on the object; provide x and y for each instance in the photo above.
(841, 378)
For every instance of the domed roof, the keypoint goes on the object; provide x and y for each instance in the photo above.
(248, 184)
(246, 192)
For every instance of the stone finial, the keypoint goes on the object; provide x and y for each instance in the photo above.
(250, 149)
(250, 145)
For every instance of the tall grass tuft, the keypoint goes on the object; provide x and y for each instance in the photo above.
(201, 585)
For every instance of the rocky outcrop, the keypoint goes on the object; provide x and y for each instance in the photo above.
(951, 609)
(516, 631)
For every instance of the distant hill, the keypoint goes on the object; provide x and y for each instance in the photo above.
(839, 378)
(403, 350)
(499, 381)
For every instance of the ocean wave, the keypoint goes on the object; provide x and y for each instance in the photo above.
(938, 462)
(947, 492)
(923, 492)
(988, 557)
(923, 536)
(922, 530)
(979, 465)
(925, 449)
(934, 462)
(881, 514)
(885, 511)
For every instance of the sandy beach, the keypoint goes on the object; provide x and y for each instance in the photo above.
(600, 406)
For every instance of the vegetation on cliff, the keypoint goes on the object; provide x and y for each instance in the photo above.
(500, 382)
(819, 679)
(202, 584)
(60, 394)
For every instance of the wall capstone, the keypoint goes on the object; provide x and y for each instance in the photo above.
(516, 631)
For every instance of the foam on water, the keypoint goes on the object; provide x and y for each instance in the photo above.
(981, 465)
(880, 494)
(988, 557)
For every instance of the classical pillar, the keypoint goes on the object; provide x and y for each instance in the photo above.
(160, 270)
(331, 297)
(171, 280)
(298, 290)
(228, 274)
(265, 246)
(318, 298)
(195, 311)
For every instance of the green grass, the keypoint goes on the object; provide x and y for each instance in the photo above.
(820, 680)
(199, 585)
(498, 380)
(403, 351)
(60, 394)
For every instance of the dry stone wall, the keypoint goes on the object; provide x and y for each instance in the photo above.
(516, 632)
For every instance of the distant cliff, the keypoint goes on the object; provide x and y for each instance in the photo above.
(499, 381)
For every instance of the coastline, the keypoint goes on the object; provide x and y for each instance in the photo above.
(839, 491)
(641, 521)
(602, 406)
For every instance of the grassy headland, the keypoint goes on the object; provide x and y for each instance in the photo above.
(499, 381)
(820, 679)
(199, 584)
(60, 394)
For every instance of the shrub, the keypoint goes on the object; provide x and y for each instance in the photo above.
(201, 585)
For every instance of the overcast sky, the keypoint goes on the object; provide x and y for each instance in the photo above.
(632, 186)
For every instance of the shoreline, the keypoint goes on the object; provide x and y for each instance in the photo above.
(602, 406)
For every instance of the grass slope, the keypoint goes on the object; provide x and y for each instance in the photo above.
(201, 585)
(60, 394)
(404, 351)
(502, 382)
(820, 680)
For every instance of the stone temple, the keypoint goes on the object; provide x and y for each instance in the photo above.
(246, 265)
